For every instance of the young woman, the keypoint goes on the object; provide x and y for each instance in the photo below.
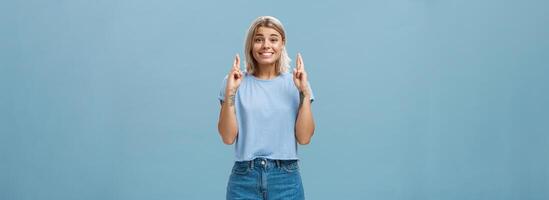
(266, 111)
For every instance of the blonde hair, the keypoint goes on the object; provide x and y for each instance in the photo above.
(283, 63)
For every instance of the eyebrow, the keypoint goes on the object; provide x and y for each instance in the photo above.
(259, 34)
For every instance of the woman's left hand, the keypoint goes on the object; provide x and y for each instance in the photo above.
(300, 76)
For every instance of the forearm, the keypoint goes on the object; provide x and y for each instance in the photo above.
(228, 126)
(305, 125)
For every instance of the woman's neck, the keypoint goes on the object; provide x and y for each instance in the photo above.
(265, 72)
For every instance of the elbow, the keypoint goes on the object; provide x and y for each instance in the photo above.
(305, 138)
(304, 141)
(227, 137)
(228, 141)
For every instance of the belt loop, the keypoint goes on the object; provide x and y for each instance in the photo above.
(278, 163)
(252, 164)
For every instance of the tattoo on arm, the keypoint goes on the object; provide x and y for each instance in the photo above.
(232, 94)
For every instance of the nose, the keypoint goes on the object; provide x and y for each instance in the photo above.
(266, 45)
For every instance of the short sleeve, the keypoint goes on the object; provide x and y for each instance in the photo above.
(221, 95)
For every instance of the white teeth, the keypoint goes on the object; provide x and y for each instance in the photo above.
(266, 54)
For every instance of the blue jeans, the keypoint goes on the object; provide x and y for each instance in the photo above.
(265, 179)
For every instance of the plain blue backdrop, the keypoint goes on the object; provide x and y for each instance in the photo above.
(416, 99)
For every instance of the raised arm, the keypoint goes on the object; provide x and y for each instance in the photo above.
(227, 125)
(305, 124)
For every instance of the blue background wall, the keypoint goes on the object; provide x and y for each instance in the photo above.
(417, 99)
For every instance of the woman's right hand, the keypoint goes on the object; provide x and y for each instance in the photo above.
(227, 125)
(235, 76)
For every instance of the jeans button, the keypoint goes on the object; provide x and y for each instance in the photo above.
(262, 162)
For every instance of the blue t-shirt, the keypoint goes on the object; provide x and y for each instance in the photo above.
(266, 112)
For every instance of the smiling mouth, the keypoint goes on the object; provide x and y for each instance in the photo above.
(266, 54)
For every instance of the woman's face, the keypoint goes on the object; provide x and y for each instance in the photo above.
(267, 45)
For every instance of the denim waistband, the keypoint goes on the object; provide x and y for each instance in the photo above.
(265, 162)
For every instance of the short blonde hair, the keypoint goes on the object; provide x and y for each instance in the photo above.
(283, 63)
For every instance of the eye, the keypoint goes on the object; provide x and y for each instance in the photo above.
(258, 39)
(274, 40)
